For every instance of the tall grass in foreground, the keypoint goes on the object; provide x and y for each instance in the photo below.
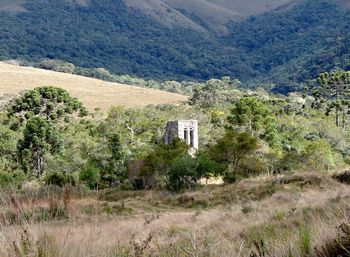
(306, 221)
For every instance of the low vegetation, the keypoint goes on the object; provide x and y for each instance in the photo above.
(226, 220)
(77, 183)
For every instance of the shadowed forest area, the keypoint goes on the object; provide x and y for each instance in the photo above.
(283, 47)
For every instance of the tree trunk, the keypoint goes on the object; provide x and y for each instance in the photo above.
(344, 118)
(251, 127)
(337, 116)
(235, 167)
(39, 166)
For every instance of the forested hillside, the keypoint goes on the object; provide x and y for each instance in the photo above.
(296, 45)
(107, 34)
(285, 46)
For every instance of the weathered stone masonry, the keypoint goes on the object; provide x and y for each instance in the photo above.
(187, 130)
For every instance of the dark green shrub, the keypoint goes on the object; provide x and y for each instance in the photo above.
(12, 179)
(159, 162)
(61, 179)
(343, 177)
(229, 177)
(28, 115)
(183, 174)
(206, 167)
(251, 167)
(90, 175)
(231, 149)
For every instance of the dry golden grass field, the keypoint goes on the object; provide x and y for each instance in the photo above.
(294, 215)
(92, 92)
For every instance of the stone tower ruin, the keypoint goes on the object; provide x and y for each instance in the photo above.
(187, 130)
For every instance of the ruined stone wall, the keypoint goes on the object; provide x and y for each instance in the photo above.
(186, 130)
(171, 131)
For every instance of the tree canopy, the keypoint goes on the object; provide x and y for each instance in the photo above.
(334, 90)
(39, 138)
(249, 112)
(231, 149)
(284, 47)
(51, 103)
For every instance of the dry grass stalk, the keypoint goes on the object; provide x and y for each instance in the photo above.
(269, 229)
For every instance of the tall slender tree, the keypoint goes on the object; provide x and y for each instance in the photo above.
(333, 89)
(117, 168)
(249, 112)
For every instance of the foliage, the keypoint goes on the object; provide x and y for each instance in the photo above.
(183, 173)
(8, 149)
(290, 135)
(39, 138)
(288, 47)
(206, 167)
(110, 40)
(254, 166)
(334, 90)
(159, 162)
(56, 65)
(231, 149)
(12, 180)
(61, 179)
(272, 136)
(90, 175)
(117, 168)
(318, 156)
(249, 112)
(343, 177)
(49, 102)
(284, 47)
(215, 92)
(184, 87)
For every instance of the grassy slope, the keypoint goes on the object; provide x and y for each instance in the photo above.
(92, 92)
(213, 221)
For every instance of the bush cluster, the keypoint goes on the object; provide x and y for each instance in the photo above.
(242, 133)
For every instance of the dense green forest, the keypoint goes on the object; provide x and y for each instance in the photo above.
(107, 35)
(295, 45)
(284, 47)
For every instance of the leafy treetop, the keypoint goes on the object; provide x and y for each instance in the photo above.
(249, 112)
(49, 102)
(231, 149)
